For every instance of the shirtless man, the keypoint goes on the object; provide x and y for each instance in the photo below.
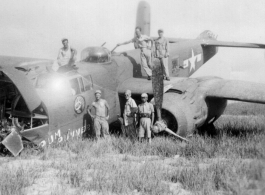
(101, 116)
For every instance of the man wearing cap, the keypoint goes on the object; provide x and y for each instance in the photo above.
(67, 54)
(130, 109)
(101, 116)
(162, 52)
(146, 116)
(144, 43)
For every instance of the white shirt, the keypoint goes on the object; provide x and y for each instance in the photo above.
(130, 103)
(64, 56)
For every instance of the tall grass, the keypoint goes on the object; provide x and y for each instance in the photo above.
(230, 163)
(15, 178)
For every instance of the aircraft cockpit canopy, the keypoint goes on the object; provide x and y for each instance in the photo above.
(99, 55)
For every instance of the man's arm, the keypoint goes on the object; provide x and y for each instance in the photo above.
(126, 42)
(74, 52)
(138, 116)
(107, 107)
(167, 48)
(59, 56)
(147, 38)
(89, 110)
(152, 113)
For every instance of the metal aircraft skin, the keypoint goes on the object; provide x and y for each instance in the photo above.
(48, 107)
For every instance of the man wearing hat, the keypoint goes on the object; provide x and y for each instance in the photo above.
(144, 43)
(145, 118)
(162, 52)
(101, 116)
(130, 109)
(66, 55)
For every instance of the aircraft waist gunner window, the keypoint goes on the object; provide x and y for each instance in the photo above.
(96, 55)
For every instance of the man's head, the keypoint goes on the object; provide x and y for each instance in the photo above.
(138, 31)
(161, 33)
(65, 42)
(144, 97)
(97, 94)
(128, 94)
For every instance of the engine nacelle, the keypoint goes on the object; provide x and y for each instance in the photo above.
(185, 113)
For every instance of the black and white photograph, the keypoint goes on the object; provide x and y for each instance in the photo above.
(136, 97)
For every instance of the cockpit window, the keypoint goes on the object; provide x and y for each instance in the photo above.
(75, 86)
(79, 85)
(80, 80)
(87, 84)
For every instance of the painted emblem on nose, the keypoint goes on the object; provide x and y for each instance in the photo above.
(79, 104)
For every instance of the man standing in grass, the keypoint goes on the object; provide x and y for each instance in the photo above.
(145, 118)
(101, 107)
(130, 109)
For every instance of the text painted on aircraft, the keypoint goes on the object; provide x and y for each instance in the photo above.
(58, 137)
(192, 60)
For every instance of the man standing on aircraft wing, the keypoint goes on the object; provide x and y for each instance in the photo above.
(145, 118)
(130, 109)
(162, 52)
(101, 116)
(66, 55)
(144, 43)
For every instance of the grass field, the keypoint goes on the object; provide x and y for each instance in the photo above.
(230, 163)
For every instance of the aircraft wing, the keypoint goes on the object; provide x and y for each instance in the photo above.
(237, 90)
(139, 86)
(216, 88)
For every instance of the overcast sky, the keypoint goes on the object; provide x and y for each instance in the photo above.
(33, 28)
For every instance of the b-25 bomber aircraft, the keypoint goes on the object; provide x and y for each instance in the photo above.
(46, 107)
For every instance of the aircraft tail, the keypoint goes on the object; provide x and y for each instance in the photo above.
(143, 17)
(208, 50)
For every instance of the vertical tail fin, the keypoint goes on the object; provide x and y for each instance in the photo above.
(208, 51)
(207, 34)
(143, 17)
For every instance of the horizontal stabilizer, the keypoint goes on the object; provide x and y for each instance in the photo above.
(231, 44)
(208, 42)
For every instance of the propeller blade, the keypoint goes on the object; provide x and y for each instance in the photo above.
(158, 86)
(171, 132)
